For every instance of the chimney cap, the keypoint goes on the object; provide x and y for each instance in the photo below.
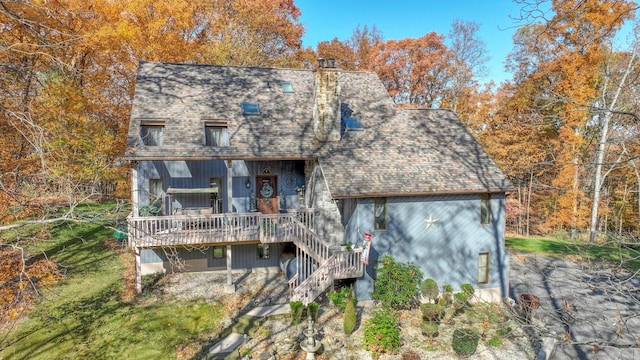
(326, 63)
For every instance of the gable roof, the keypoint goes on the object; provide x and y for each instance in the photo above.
(400, 152)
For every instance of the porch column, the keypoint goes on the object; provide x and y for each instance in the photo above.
(230, 287)
(138, 270)
(229, 186)
(134, 189)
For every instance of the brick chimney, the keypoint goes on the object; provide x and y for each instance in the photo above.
(326, 108)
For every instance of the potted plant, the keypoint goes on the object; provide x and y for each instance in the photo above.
(347, 246)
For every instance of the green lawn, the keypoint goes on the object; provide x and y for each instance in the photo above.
(611, 254)
(84, 316)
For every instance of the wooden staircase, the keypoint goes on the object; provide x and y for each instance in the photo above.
(318, 265)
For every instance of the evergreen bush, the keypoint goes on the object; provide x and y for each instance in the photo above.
(350, 317)
(467, 289)
(465, 341)
(429, 330)
(429, 288)
(296, 312)
(432, 312)
(312, 311)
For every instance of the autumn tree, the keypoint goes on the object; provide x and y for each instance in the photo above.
(414, 71)
(68, 69)
(353, 53)
(558, 62)
(469, 59)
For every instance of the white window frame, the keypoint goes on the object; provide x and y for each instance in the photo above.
(152, 133)
(484, 263)
(485, 209)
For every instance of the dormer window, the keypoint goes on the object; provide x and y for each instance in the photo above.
(286, 86)
(216, 133)
(152, 133)
(250, 108)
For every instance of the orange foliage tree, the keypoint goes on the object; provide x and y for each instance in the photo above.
(68, 68)
(557, 64)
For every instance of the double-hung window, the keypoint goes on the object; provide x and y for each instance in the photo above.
(483, 268)
(485, 209)
(152, 133)
(216, 133)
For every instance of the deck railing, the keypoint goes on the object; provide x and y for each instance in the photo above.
(176, 230)
(314, 284)
(319, 264)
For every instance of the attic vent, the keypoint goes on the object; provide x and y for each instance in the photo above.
(352, 124)
(250, 108)
(286, 86)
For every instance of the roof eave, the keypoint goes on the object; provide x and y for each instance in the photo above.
(421, 193)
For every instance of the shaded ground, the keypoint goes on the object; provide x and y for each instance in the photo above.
(592, 311)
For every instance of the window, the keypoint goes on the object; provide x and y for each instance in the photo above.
(380, 214)
(483, 268)
(152, 133)
(218, 252)
(263, 251)
(216, 135)
(156, 197)
(286, 86)
(215, 198)
(250, 108)
(485, 209)
(155, 189)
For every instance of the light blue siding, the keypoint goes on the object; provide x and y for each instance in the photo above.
(447, 251)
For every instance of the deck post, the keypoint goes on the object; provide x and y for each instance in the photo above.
(230, 287)
(138, 270)
(134, 189)
(229, 186)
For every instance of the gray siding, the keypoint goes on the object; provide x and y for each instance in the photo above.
(447, 251)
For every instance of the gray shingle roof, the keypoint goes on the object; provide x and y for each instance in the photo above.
(400, 152)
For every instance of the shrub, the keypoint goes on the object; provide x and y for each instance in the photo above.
(382, 333)
(467, 289)
(429, 330)
(429, 288)
(312, 311)
(432, 312)
(465, 341)
(296, 311)
(460, 297)
(494, 341)
(502, 332)
(339, 298)
(397, 284)
(350, 317)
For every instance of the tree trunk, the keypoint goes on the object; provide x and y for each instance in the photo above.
(599, 179)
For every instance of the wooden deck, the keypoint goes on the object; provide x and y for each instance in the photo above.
(217, 229)
(319, 264)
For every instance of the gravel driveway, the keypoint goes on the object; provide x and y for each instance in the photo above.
(593, 312)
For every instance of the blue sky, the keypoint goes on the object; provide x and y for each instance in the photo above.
(399, 19)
